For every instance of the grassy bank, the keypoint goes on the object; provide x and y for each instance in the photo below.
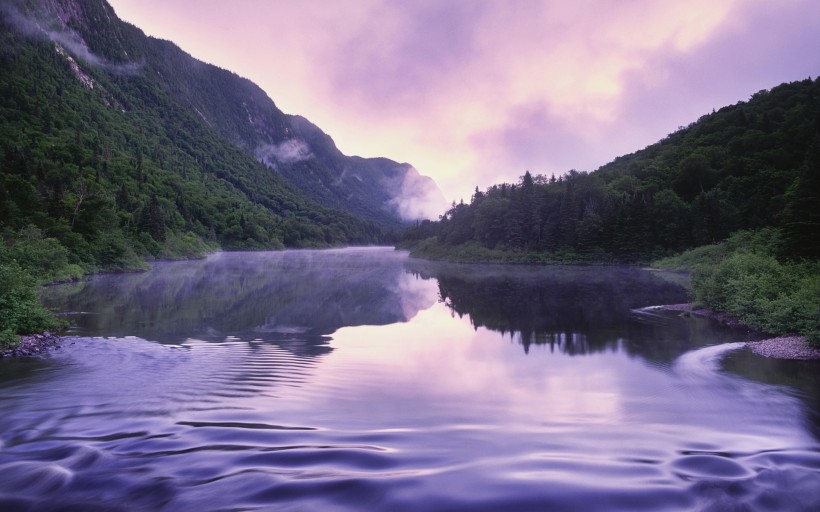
(30, 259)
(473, 252)
(749, 277)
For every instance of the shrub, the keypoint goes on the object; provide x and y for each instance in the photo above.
(20, 308)
(188, 246)
(763, 293)
(703, 255)
(43, 257)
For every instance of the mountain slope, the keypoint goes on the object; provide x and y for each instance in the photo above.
(109, 144)
(239, 111)
(747, 166)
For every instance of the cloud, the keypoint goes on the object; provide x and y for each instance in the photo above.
(417, 196)
(37, 25)
(535, 138)
(404, 52)
(287, 152)
(762, 47)
(478, 91)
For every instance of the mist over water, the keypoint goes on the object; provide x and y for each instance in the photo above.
(361, 380)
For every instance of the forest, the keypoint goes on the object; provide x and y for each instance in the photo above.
(736, 192)
(747, 166)
(105, 163)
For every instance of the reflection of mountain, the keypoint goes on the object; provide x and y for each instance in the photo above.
(575, 310)
(277, 296)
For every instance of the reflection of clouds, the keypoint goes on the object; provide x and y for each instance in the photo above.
(276, 295)
(456, 369)
(416, 294)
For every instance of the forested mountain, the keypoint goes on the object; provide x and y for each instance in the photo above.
(118, 146)
(747, 166)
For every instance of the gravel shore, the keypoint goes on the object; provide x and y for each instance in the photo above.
(782, 347)
(30, 345)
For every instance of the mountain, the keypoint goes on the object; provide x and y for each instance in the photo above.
(118, 145)
(365, 186)
(747, 166)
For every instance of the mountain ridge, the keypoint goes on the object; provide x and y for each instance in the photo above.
(116, 146)
(233, 106)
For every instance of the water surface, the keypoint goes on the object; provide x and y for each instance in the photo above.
(362, 380)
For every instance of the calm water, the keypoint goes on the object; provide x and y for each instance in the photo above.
(362, 380)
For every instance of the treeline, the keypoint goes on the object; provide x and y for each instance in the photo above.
(102, 166)
(746, 166)
(118, 172)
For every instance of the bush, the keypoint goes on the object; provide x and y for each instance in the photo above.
(703, 255)
(43, 257)
(779, 298)
(188, 246)
(113, 252)
(20, 308)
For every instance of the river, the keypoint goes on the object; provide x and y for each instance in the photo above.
(361, 379)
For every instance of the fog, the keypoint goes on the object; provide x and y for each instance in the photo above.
(271, 296)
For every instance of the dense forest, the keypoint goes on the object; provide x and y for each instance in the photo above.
(116, 148)
(751, 165)
(737, 191)
(106, 162)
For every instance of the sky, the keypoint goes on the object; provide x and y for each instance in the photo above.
(476, 92)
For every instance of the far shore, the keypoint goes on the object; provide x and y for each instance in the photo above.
(780, 347)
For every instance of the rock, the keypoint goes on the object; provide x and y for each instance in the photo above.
(784, 347)
(31, 344)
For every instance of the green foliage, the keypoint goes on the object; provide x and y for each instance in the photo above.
(745, 167)
(144, 164)
(188, 246)
(20, 308)
(40, 256)
(127, 170)
(687, 260)
(752, 285)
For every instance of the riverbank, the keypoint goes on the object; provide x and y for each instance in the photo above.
(30, 345)
(780, 347)
(784, 347)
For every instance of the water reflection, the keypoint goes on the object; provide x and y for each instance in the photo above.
(414, 404)
(574, 310)
(273, 296)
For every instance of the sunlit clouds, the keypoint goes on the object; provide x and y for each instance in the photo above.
(473, 92)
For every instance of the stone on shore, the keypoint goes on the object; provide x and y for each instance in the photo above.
(784, 347)
(30, 345)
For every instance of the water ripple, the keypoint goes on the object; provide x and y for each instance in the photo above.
(250, 426)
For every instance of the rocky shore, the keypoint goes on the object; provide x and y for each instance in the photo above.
(781, 347)
(784, 347)
(30, 345)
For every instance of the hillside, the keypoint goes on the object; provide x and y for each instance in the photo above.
(119, 146)
(747, 166)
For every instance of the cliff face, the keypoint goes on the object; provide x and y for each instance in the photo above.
(238, 110)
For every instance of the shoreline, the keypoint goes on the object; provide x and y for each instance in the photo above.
(31, 344)
(777, 347)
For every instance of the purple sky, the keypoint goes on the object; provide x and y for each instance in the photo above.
(474, 92)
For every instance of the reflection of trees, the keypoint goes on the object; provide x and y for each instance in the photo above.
(801, 376)
(286, 296)
(575, 310)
